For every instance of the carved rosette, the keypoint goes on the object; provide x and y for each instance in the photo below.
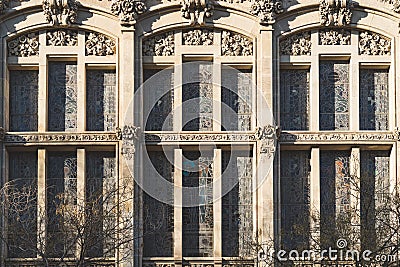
(129, 135)
(371, 43)
(334, 37)
(268, 136)
(196, 11)
(198, 37)
(335, 12)
(296, 45)
(61, 12)
(25, 45)
(234, 44)
(160, 45)
(266, 10)
(128, 10)
(98, 44)
(62, 38)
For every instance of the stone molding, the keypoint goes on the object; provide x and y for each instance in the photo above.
(60, 12)
(304, 137)
(197, 11)
(266, 10)
(335, 12)
(128, 10)
(56, 137)
(195, 137)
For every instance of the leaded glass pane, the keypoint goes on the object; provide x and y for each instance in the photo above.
(100, 100)
(334, 95)
(22, 210)
(294, 102)
(62, 96)
(101, 194)
(236, 99)
(61, 179)
(295, 197)
(198, 221)
(335, 192)
(158, 217)
(24, 100)
(159, 99)
(374, 102)
(197, 97)
(237, 204)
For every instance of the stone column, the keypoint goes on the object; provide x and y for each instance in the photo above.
(80, 184)
(314, 86)
(178, 207)
(41, 197)
(42, 97)
(315, 202)
(355, 193)
(81, 85)
(217, 207)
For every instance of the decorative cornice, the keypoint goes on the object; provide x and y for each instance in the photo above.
(198, 37)
(195, 137)
(266, 10)
(196, 11)
(62, 38)
(294, 137)
(128, 10)
(335, 12)
(160, 45)
(296, 44)
(334, 37)
(60, 137)
(98, 44)
(234, 44)
(25, 45)
(60, 12)
(371, 43)
(268, 136)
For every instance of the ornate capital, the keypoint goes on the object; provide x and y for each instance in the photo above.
(196, 11)
(267, 135)
(335, 12)
(128, 10)
(266, 10)
(60, 12)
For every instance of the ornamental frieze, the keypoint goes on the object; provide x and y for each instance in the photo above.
(194, 137)
(234, 44)
(60, 12)
(335, 12)
(198, 37)
(60, 137)
(159, 45)
(334, 37)
(97, 44)
(62, 38)
(128, 10)
(296, 44)
(371, 43)
(25, 45)
(266, 10)
(340, 137)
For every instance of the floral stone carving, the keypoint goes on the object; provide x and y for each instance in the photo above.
(196, 11)
(268, 136)
(198, 37)
(60, 12)
(160, 45)
(266, 10)
(335, 37)
(98, 44)
(128, 10)
(371, 43)
(296, 44)
(234, 44)
(24, 46)
(335, 12)
(62, 38)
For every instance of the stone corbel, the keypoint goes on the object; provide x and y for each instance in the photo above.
(335, 12)
(128, 10)
(129, 134)
(266, 10)
(267, 135)
(197, 10)
(60, 12)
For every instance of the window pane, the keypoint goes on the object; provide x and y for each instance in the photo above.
(294, 103)
(334, 95)
(24, 100)
(295, 197)
(62, 96)
(100, 100)
(22, 208)
(236, 99)
(374, 102)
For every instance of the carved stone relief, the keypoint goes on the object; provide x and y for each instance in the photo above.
(198, 37)
(329, 137)
(267, 135)
(296, 45)
(371, 43)
(266, 10)
(98, 44)
(160, 45)
(334, 37)
(129, 134)
(60, 137)
(24, 45)
(62, 12)
(234, 44)
(128, 10)
(62, 38)
(196, 11)
(335, 12)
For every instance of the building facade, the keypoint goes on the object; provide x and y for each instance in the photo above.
(229, 123)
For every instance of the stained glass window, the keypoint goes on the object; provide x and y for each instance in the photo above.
(62, 96)
(24, 100)
(101, 210)
(158, 217)
(294, 102)
(334, 95)
(100, 100)
(295, 199)
(61, 179)
(236, 99)
(22, 211)
(198, 220)
(237, 208)
(374, 102)
(197, 97)
(335, 192)
(159, 99)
